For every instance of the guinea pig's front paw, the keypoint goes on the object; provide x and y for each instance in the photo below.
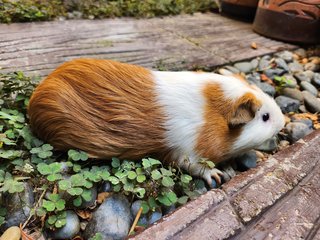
(210, 173)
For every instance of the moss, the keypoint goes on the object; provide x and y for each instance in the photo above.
(40, 10)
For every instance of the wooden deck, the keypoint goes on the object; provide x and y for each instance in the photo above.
(175, 43)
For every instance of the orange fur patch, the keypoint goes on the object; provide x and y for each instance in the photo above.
(105, 108)
(219, 131)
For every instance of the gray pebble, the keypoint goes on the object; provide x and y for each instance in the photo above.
(271, 73)
(253, 78)
(69, 230)
(267, 88)
(301, 52)
(247, 160)
(105, 187)
(297, 130)
(166, 210)
(225, 72)
(135, 206)
(303, 109)
(292, 93)
(285, 55)
(302, 76)
(307, 122)
(244, 67)
(311, 66)
(309, 87)
(295, 67)
(311, 102)
(254, 63)
(264, 64)
(232, 69)
(228, 173)
(282, 64)
(155, 216)
(91, 202)
(316, 80)
(266, 57)
(269, 145)
(309, 73)
(112, 219)
(143, 220)
(287, 104)
(291, 81)
(18, 206)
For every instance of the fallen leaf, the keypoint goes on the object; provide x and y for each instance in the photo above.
(77, 238)
(84, 214)
(102, 196)
(254, 45)
(266, 79)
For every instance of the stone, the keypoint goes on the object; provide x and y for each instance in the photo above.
(105, 187)
(295, 67)
(166, 210)
(309, 87)
(244, 67)
(12, 233)
(135, 206)
(143, 220)
(311, 66)
(200, 186)
(18, 206)
(292, 93)
(287, 104)
(269, 145)
(94, 193)
(297, 130)
(316, 80)
(253, 78)
(303, 109)
(291, 82)
(154, 216)
(301, 52)
(228, 173)
(232, 69)
(309, 73)
(263, 64)
(69, 230)
(247, 160)
(225, 72)
(271, 73)
(112, 219)
(311, 102)
(285, 55)
(254, 63)
(302, 76)
(267, 88)
(307, 122)
(282, 64)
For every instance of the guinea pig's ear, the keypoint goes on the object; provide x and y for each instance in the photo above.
(244, 111)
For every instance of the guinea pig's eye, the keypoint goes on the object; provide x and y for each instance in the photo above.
(265, 117)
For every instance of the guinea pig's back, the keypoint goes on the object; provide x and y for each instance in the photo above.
(103, 107)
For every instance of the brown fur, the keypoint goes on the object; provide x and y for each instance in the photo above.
(223, 122)
(103, 107)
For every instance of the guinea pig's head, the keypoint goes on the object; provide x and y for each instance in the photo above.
(255, 116)
(239, 116)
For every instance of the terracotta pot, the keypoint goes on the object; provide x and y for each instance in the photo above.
(293, 21)
(245, 9)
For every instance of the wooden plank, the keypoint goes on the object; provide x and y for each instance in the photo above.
(175, 43)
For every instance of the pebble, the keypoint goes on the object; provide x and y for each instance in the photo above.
(225, 72)
(303, 109)
(311, 102)
(105, 187)
(166, 210)
(244, 67)
(311, 66)
(284, 143)
(291, 81)
(254, 63)
(135, 206)
(309, 73)
(247, 160)
(269, 145)
(316, 80)
(200, 186)
(285, 55)
(271, 73)
(282, 64)
(253, 78)
(69, 230)
(301, 52)
(303, 76)
(292, 93)
(267, 88)
(12, 233)
(143, 220)
(18, 206)
(232, 69)
(112, 219)
(295, 67)
(309, 87)
(307, 122)
(297, 130)
(228, 173)
(287, 104)
(263, 64)
(155, 216)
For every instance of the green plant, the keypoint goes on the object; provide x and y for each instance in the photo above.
(281, 82)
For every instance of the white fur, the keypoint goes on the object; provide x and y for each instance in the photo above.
(180, 93)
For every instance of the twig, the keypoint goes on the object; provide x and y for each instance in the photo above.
(35, 207)
(136, 220)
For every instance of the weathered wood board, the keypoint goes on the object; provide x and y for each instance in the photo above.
(175, 43)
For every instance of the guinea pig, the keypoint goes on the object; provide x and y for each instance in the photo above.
(111, 109)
